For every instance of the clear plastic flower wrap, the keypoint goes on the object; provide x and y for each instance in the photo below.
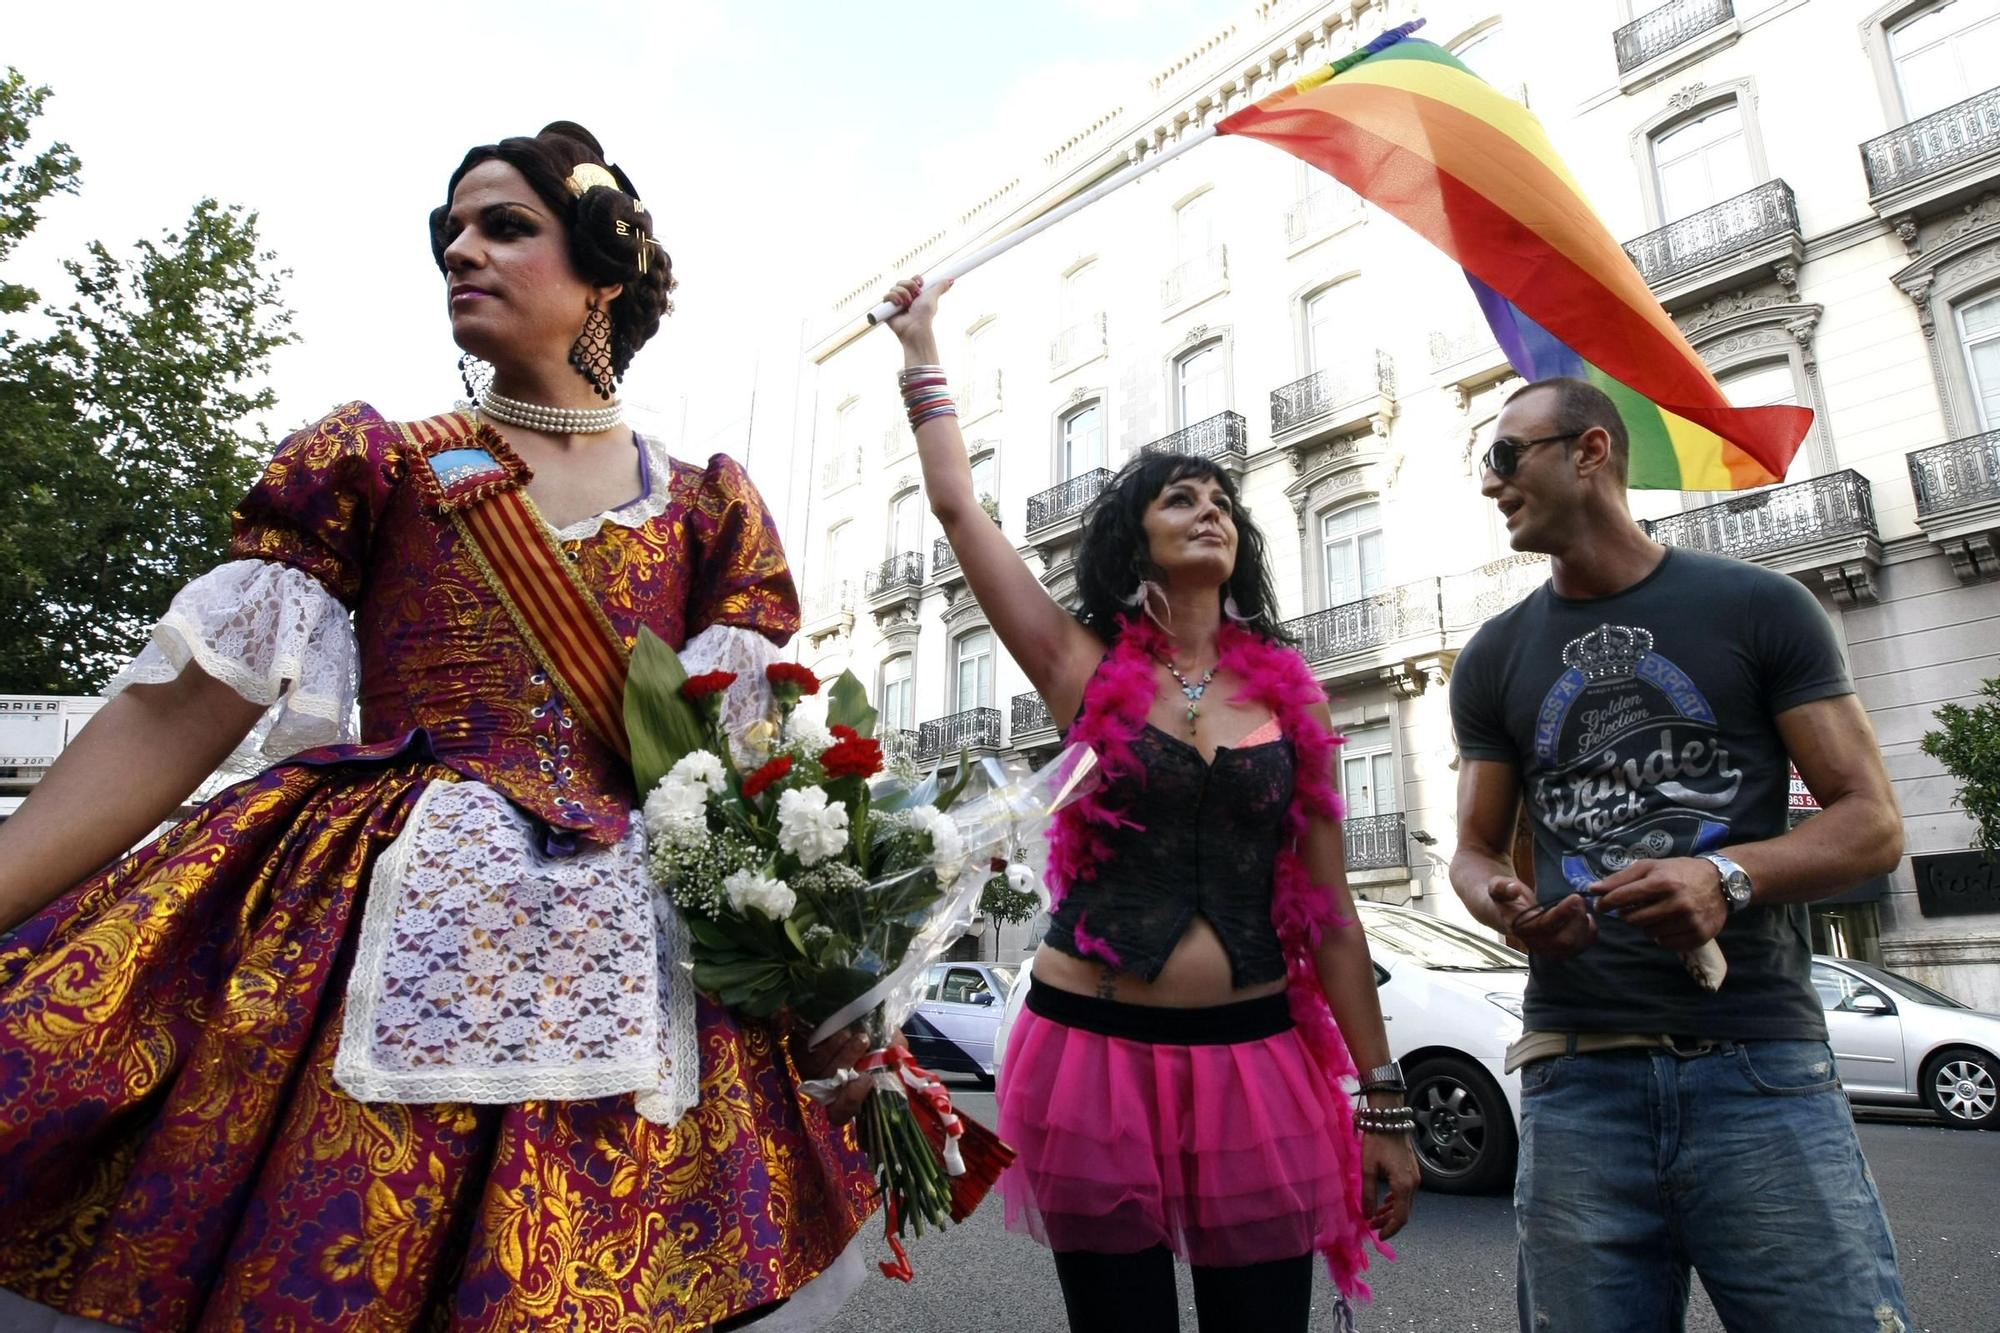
(811, 890)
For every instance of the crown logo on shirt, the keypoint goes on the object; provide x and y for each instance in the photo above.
(1610, 652)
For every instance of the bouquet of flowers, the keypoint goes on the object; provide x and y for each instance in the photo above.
(812, 884)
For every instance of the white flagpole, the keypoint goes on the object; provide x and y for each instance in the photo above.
(960, 267)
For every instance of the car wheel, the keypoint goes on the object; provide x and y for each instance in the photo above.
(1963, 1086)
(1465, 1129)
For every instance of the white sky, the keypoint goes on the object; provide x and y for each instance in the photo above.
(780, 146)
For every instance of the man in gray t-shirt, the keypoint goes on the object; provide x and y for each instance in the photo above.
(1642, 707)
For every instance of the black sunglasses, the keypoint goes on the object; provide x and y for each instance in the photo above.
(1504, 455)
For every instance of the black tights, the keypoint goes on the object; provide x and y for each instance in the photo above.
(1134, 1293)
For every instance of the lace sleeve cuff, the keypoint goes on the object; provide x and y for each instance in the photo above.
(274, 635)
(745, 652)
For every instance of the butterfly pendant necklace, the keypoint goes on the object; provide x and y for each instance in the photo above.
(1192, 691)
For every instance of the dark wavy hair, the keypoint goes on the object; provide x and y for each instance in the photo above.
(1115, 553)
(601, 254)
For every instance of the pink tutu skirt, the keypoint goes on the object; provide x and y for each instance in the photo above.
(1209, 1131)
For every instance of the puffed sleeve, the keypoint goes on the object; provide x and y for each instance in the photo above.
(741, 577)
(273, 621)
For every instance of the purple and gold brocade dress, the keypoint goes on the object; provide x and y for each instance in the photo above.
(174, 1150)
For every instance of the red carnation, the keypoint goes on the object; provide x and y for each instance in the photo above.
(852, 756)
(697, 688)
(791, 673)
(754, 785)
(844, 733)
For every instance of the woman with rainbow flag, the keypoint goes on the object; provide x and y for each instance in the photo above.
(395, 1034)
(1174, 1086)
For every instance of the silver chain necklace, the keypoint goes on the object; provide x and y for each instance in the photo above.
(552, 420)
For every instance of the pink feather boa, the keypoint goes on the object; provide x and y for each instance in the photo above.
(1115, 707)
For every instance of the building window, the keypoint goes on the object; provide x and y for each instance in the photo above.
(846, 425)
(1079, 295)
(1350, 542)
(1368, 772)
(839, 547)
(906, 523)
(986, 483)
(1194, 227)
(1979, 336)
(1200, 386)
(982, 369)
(972, 670)
(1322, 331)
(898, 694)
(1082, 440)
(1945, 54)
(1701, 161)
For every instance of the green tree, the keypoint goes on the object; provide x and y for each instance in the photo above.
(126, 419)
(1967, 743)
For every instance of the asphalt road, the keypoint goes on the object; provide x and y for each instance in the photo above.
(1455, 1273)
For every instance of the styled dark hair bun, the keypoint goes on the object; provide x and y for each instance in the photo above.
(610, 232)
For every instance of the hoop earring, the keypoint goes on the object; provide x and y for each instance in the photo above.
(1230, 609)
(590, 354)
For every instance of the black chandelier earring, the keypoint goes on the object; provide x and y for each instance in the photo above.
(475, 375)
(591, 353)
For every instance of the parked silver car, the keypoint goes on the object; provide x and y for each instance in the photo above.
(953, 1029)
(1897, 1042)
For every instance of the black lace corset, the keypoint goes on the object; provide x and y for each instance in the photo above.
(1204, 840)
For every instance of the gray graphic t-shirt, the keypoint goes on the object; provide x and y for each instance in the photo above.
(1644, 727)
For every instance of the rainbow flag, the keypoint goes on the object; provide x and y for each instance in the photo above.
(1419, 135)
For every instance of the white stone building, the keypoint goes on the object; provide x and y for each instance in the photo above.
(1813, 191)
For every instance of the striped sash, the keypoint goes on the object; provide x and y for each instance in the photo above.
(471, 477)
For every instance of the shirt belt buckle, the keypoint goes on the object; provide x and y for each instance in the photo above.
(1689, 1047)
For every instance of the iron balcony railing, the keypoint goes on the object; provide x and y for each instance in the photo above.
(843, 469)
(1195, 276)
(1449, 349)
(1305, 401)
(1389, 616)
(1778, 519)
(1224, 435)
(1078, 342)
(1956, 474)
(1934, 144)
(973, 729)
(1067, 500)
(1375, 842)
(1653, 34)
(898, 743)
(834, 599)
(1476, 596)
(901, 571)
(1323, 209)
(942, 556)
(1766, 213)
(1030, 715)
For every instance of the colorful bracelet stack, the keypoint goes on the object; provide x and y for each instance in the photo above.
(924, 394)
(1385, 1120)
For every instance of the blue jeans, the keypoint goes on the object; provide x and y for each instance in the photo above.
(1741, 1163)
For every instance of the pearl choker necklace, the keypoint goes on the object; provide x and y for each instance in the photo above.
(552, 420)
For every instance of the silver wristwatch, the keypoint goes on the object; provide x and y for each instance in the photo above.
(1735, 882)
(1387, 1077)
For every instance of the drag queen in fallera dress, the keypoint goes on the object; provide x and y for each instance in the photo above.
(389, 1035)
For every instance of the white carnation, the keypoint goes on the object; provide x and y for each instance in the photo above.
(808, 732)
(677, 812)
(747, 889)
(810, 828)
(947, 845)
(700, 768)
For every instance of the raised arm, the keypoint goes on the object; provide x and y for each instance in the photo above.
(1057, 652)
(127, 770)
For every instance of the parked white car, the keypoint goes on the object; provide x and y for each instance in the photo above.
(1897, 1042)
(954, 1026)
(1452, 999)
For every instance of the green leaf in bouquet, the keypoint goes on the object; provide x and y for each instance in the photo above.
(847, 705)
(958, 781)
(661, 724)
(721, 978)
